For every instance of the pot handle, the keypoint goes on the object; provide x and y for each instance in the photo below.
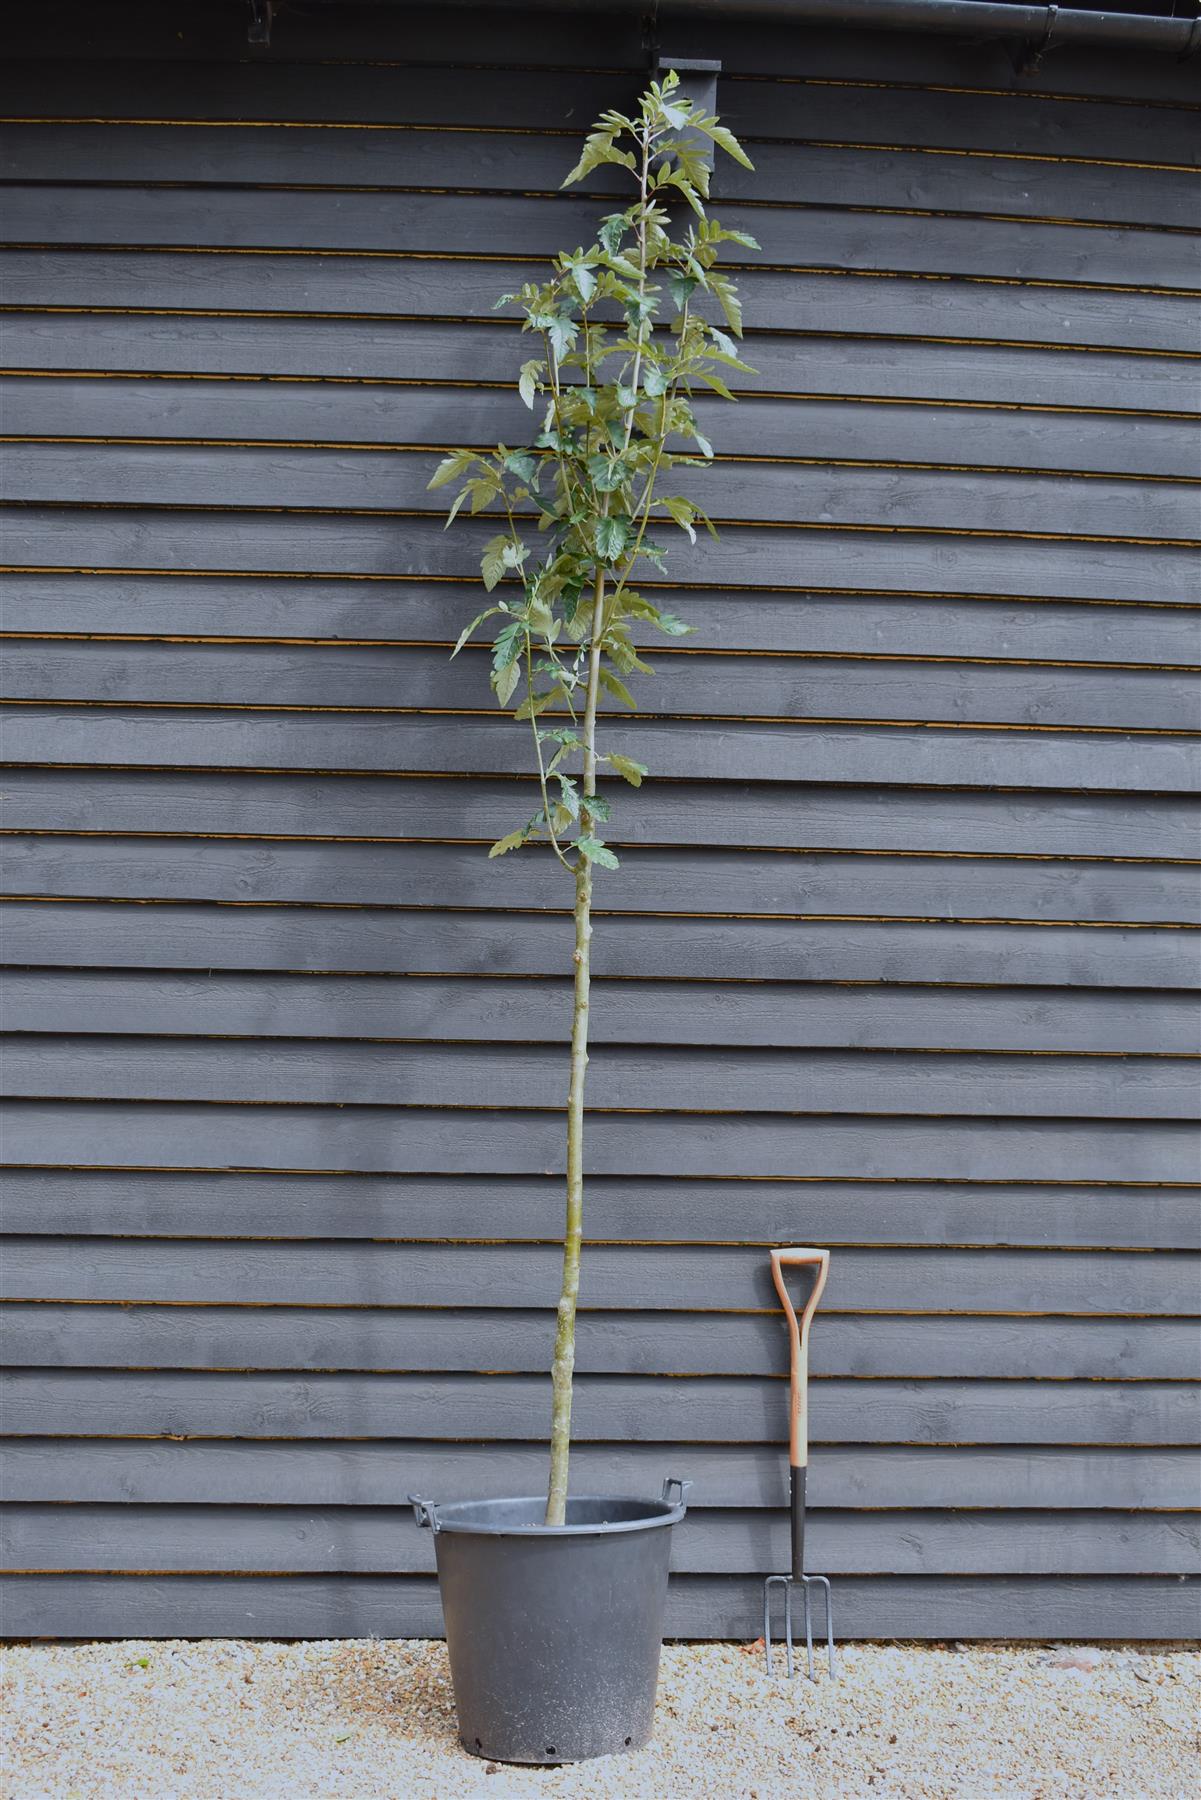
(425, 1512)
(681, 1491)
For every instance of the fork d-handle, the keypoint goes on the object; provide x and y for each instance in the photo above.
(798, 1410)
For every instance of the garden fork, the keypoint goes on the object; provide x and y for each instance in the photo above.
(798, 1460)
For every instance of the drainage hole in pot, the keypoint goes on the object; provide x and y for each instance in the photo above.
(478, 1745)
(629, 1741)
(551, 1751)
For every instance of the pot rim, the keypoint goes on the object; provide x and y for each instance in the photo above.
(440, 1517)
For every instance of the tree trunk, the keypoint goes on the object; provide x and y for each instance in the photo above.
(563, 1365)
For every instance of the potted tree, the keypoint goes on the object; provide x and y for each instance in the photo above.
(554, 1604)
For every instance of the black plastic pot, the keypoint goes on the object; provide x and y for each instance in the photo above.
(554, 1631)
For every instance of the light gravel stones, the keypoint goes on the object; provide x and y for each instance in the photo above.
(363, 1720)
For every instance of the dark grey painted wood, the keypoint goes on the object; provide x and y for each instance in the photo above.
(345, 415)
(164, 1204)
(679, 750)
(720, 814)
(621, 1078)
(806, 627)
(49, 1335)
(717, 1409)
(390, 482)
(1007, 317)
(561, 99)
(372, 1473)
(1123, 1608)
(799, 886)
(378, 288)
(411, 1140)
(694, 1278)
(418, 223)
(382, 1540)
(172, 934)
(395, 351)
(785, 687)
(125, 539)
(901, 180)
(726, 1012)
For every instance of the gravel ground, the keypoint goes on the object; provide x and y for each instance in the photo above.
(362, 1720)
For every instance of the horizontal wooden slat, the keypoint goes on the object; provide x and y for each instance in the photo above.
(299, 285)
(618, 1278)
(82, 935)
(349, 93)
(171, 1204)
(379, 1540)
(387, 482)
(699, 1606)
(382, 1140)
(457, 224)
(133, 539)
(721, 815)
(673, 1012)
(903, 180)
(658, 1078)
(808, 625)
(685, 750)
(392, 351)
(818, 430)
(103, 1403)
(742, 687)
(420, 875)
(365, 1473)
(52, 1335)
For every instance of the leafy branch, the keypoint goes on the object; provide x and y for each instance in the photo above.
(625, 346)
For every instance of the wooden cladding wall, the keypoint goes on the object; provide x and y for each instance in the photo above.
(901, 959)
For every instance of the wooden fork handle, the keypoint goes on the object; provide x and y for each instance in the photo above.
(798, 1337)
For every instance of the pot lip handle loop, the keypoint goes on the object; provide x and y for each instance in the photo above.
(681, 1491)
(425, 1512)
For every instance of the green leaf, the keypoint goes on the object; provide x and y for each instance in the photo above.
(611, 537)
(571, 794)
(681, 287)
(527, 385)
(598, 148)
(654, 382)
(562, 332)
(618, 689)
(504, 681)
(715, 382)
(513, 841)
(611, 231)
(628, 769)
(682, 511)
(492, 562)
(521, 463)
(449, 468)
(725, 140)
(584, 281)
(594, 851)
(668, 622)
(469, 629)
(450, 517)
(508, 645)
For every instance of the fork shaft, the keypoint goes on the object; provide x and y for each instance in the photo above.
(796, 1487)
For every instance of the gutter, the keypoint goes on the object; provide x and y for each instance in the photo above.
(1037, 28)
